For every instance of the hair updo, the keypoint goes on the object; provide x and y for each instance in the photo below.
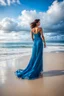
(33, 24)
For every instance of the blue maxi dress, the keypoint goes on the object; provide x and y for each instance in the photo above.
(35, 65)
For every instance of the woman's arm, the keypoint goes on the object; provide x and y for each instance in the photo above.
(42, 36)
(31, 35)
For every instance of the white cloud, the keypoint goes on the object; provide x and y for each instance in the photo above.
(52, 20)
(55, 13)
(53, 16)
(8, 25)
(9, 2)
(8, 31)
(14, 36)
(2, 2)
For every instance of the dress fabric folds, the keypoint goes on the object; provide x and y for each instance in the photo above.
(35, 65)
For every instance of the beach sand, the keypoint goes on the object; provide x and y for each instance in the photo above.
(51, 84)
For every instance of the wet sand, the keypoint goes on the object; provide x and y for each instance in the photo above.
(51, 84)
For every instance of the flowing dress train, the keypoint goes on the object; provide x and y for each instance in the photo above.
(35, 65)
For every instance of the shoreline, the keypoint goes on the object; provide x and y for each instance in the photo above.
(53, 74)
(29, 53)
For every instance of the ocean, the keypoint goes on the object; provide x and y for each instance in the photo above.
(12, 50)
(26, 47)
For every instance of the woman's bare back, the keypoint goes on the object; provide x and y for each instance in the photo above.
(36, 30)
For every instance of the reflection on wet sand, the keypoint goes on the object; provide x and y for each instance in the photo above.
(51, 84)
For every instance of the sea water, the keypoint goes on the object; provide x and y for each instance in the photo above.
(21, 43)
(11, 48)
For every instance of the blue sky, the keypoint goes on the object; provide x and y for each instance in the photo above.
(16, 15)
(13, 10)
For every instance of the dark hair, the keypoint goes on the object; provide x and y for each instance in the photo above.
(33, 24)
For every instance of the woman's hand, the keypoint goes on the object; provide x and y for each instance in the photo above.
(33, 39)
(44, 45)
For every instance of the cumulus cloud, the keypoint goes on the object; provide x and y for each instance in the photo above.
(8, 2)
(54, 17)
(8, 25)
(14, 37)
(52, 20)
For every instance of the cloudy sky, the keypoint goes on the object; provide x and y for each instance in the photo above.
(16, 15)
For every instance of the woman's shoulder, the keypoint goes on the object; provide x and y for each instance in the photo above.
(40, 28)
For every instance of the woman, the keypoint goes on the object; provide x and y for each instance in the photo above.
(35, 65)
